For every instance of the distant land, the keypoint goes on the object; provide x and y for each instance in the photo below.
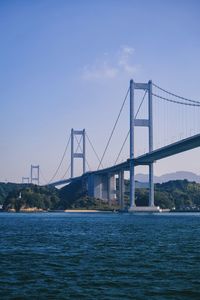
(180, 175)
(181, 195)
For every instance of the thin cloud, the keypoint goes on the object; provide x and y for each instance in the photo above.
(125, 60)
(110, 67)
(99, 71)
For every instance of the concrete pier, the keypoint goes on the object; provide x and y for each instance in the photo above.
(121, 189)
(145, 209)
(102, 186)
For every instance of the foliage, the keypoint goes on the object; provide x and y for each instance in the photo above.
(172, 194)
(6, 188)
(32, 196)
(69, 194)
(74, 196)
(177, 193)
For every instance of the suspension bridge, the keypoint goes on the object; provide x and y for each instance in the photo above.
(143, 113)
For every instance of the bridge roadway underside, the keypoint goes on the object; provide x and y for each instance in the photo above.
(146, 159)
(101, 183)
(103, 190)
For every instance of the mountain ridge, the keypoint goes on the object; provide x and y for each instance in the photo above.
(179, 175)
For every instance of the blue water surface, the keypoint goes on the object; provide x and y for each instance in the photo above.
(99, 256)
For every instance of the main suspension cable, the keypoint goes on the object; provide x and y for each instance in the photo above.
(113, 129)
(66, 171)
(122, 147)
(70, 163)
(175, 101)
(56, 172)
(97, 156)
(43, 177)
(172, 94)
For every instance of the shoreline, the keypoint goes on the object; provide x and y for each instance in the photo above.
(36, 210)
(58, 211)
(86, 211)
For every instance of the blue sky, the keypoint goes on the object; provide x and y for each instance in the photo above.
(67, 64)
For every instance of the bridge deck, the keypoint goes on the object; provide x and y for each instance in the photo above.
(169, 150)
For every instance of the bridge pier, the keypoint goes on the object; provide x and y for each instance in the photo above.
(102, 186)
(121, 189)
(109, 189)
(151, 186)
(132, 169)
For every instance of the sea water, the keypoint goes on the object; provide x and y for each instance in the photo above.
(99, 256)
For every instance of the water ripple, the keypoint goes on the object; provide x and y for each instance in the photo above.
(102, 256)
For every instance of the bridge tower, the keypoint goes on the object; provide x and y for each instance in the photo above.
(35, 174)
(25, 179)
(75, 154)
(144, 123)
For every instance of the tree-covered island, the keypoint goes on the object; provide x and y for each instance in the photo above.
(179, 194)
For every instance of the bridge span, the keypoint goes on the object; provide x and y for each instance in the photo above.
(101, 183)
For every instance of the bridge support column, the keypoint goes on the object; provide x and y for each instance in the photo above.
(102, 186)
(121, 189)
(97, 188)
(132, 172)
(147, 122)
(109, 189)
(151, 186)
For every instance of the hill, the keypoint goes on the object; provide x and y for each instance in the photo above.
(6, 188)
(172, 194)
(31, 196)
(180, 175)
